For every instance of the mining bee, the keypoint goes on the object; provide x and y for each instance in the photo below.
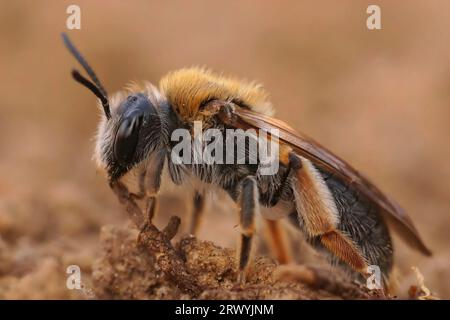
(337, 209)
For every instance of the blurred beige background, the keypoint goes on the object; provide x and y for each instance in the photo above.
(379, 99)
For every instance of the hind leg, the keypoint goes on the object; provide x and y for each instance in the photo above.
(278, 242)
(318, 211)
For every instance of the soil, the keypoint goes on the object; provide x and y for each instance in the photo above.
(127, 269)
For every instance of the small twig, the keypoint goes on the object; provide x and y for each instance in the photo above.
(157, 242)
(172, 227)
(126, 199)
(167, 257)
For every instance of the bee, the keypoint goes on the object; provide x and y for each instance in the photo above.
(337, 209)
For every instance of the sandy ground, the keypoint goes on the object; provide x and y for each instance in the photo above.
(379, 99)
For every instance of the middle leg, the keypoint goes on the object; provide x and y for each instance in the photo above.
(249, 206)
(198, 208)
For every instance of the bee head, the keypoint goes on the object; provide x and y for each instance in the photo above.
(131, 128)
(131, 134)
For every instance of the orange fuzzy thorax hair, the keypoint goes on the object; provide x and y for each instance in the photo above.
(187, 89)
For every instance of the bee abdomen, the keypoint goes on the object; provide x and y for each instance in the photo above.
(360, 220)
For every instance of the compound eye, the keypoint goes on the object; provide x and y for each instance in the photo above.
(126, 140)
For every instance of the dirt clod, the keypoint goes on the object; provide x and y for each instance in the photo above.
(146, 265)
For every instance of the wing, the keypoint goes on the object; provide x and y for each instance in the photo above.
(308, 148)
